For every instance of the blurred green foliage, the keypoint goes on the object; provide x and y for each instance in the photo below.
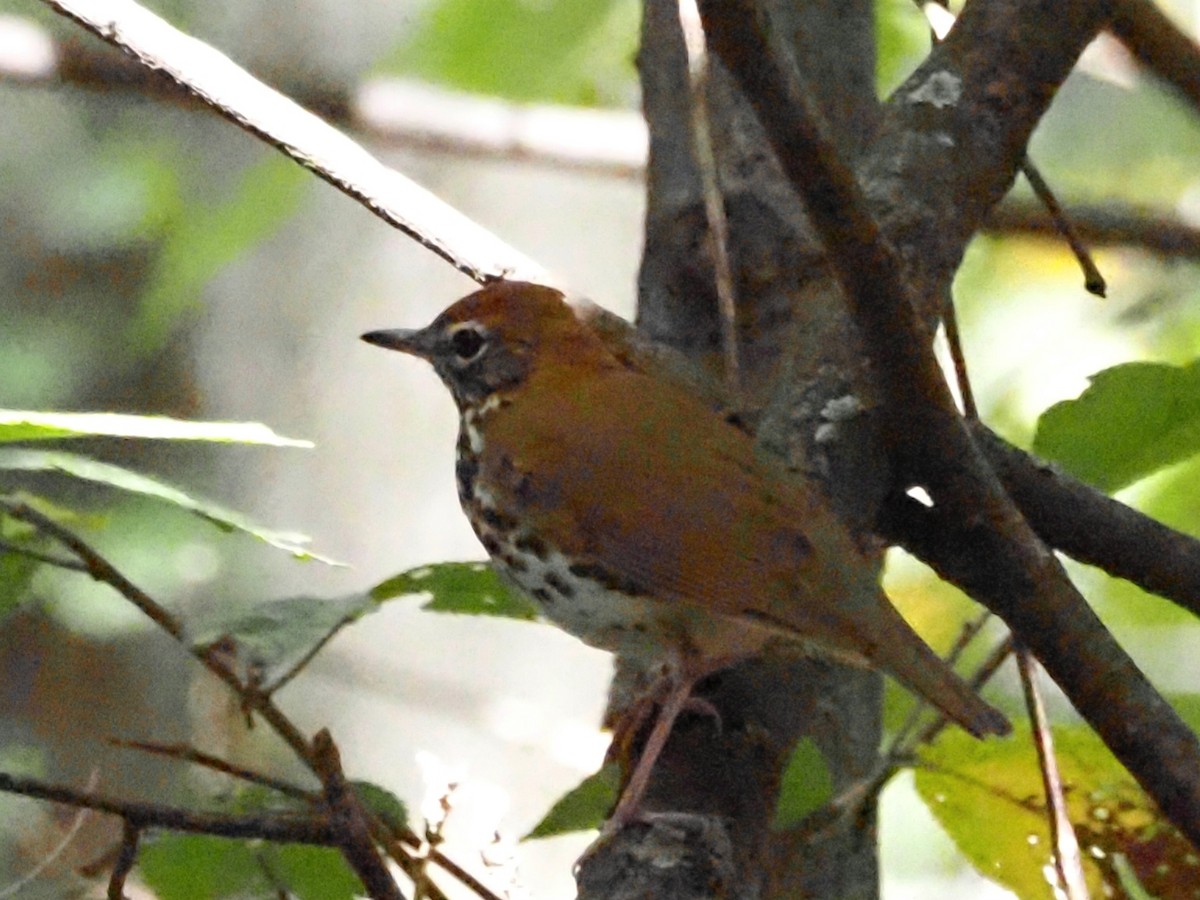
(122, 216)
(199, 867)
(559, 51)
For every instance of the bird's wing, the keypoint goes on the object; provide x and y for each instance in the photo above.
(670, 501)
(648, 485)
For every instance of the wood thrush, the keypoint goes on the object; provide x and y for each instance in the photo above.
(643, 523)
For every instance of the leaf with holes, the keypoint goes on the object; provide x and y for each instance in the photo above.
(469, 588)
(988, 796)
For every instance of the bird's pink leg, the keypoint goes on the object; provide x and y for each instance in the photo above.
(680, 680)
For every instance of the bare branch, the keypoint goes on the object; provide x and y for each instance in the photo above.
(187, 753)
(72, 565)
(1067, 861)
(1159, 45)
(239, 97)
(412, 115)
(102, 570)
(1110, 225)
(1093, 528)
(315, 828)
(350, 822)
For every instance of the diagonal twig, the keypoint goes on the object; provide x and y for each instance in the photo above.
(81, 816)
(248, 103)
(350, 822)
(315, 828)
(187, 753)
(1067, 860)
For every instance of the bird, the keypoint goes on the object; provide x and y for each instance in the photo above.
(646, 524)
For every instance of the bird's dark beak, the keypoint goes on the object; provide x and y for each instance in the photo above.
(406, 340)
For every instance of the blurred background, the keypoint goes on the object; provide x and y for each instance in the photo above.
(158, 260)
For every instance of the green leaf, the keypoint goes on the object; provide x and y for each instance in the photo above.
(313, 873)
(198, 867)
(383, 803)
(470, 588)
(136, 483)
(24, 425)
(583, 808)
(275, 636)
(201, 867)
(806, 786)
(1132, 420)
(203, 239)
(988, 796)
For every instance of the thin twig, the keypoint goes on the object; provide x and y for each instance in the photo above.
(81, 816)
(314, 828)
(941, 20)
(350, 823)
(1066, 846)
(900, 753)
(1067, 860)
(959, 359)
(126, 857)
(48, 558)
(234, 94)
(309, 655)
(187, 753)
(102, 570)
(710, 186)
(1092, 279)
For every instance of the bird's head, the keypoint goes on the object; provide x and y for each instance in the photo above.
(486, 343)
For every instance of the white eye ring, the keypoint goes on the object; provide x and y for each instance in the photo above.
(467, 341)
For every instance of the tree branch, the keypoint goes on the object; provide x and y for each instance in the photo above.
(1092, 527)
(239, 97)
(315, 828)
(102, 570)
(1006, 75)
(350, 822)
(417, 116)
(1159, 45)
(399, 113)
(1113, 225)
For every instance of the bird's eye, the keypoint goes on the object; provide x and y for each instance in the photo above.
(466, 343)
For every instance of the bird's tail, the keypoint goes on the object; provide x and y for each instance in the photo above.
(915, 665)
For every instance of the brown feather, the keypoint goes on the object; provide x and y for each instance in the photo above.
(641, 483)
